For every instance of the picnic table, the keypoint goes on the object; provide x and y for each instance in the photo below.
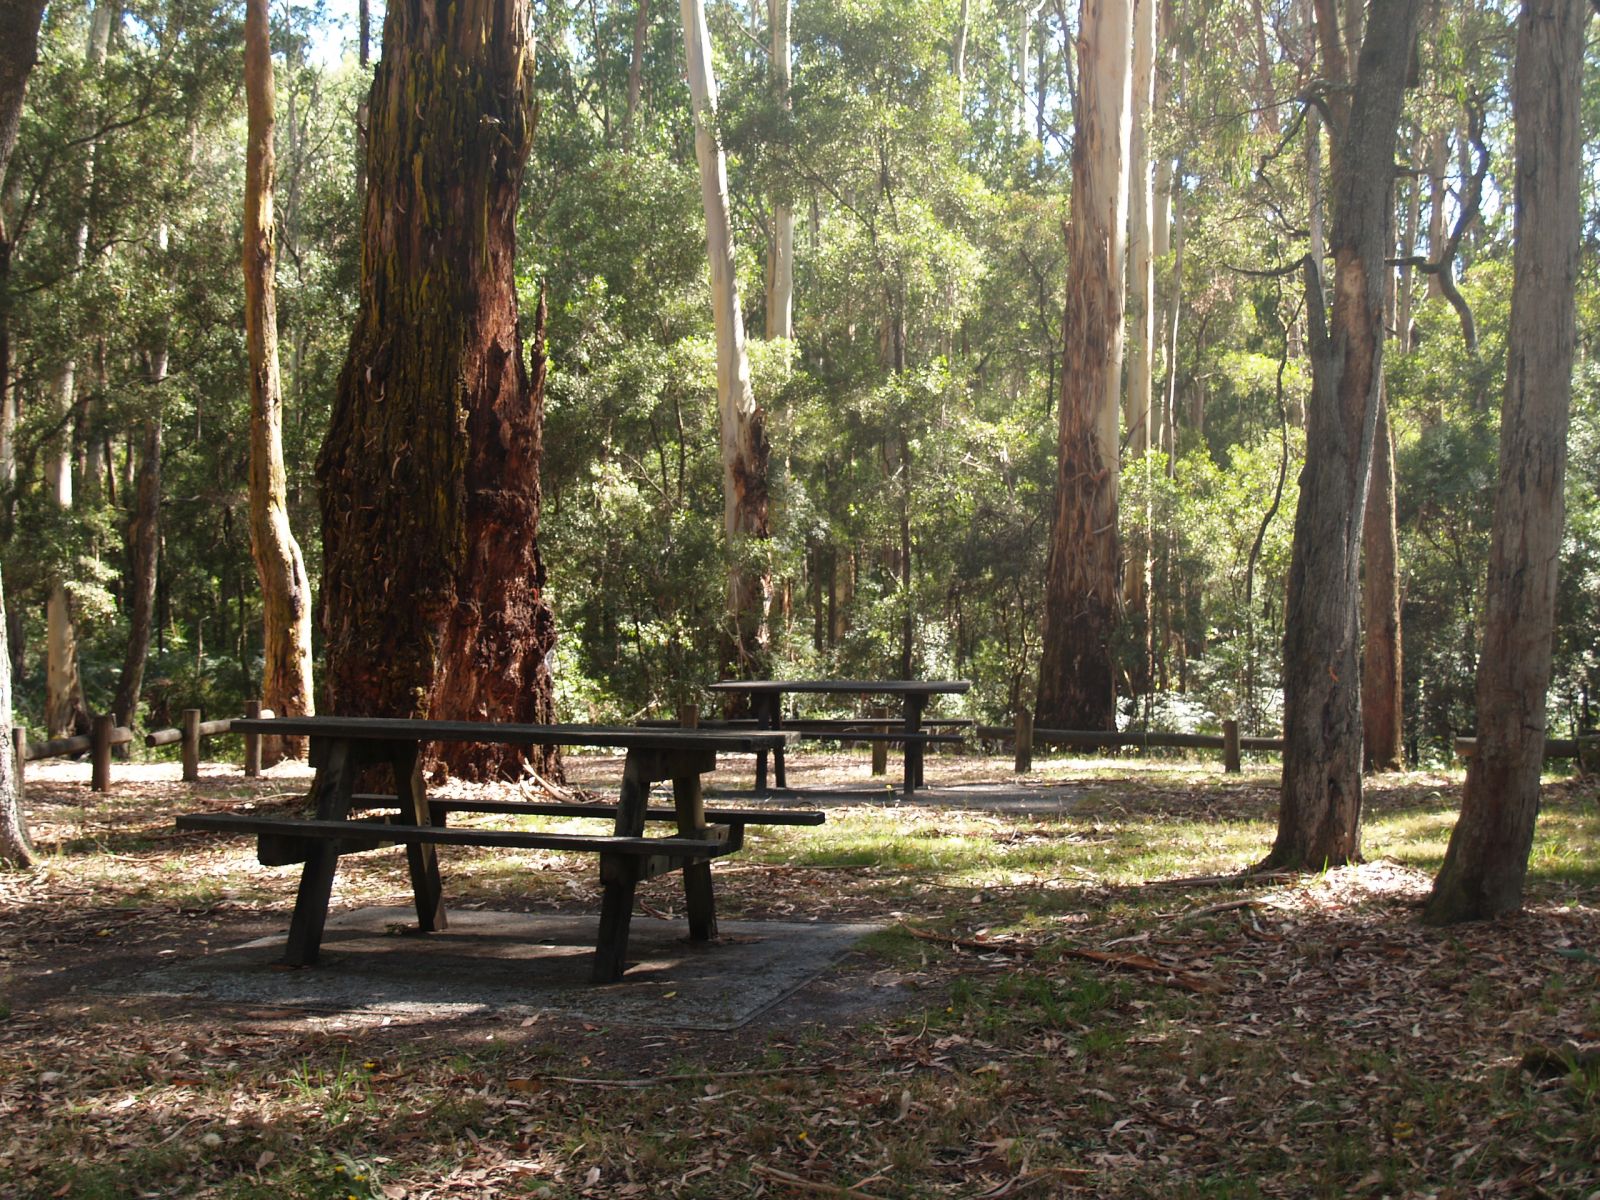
(766, 699)
(342, 748)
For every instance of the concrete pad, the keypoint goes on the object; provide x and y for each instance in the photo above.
(373, 961)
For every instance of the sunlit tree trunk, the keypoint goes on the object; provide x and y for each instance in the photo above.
(1076, 668)
(641, 30)
(285, 589)
(743, 425)
(780, 261)
(1319, 817)
(1141, 317)
(1382, 691)
(1487, 861)
(432, 596)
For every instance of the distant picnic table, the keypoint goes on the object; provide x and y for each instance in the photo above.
(343, 747)
(766, 699)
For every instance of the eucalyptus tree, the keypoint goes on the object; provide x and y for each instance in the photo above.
(1487, 859)
(1319, 818)
(1077, 688)
(285, 588)
(741, 421)
(19, 39)
(432, 590)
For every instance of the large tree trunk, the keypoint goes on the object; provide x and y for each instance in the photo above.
(285, 589)
(1382, 693)
(1487, 861)
(1076, 664)
(1319, 817)
(780, 253)
(743, 425)
(432, 595)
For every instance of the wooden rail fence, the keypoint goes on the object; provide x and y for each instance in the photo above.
(1024, 736)
(106, 733)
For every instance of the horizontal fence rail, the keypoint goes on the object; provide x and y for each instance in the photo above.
(193, 730)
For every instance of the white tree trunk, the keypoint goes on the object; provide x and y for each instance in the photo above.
(743, 438)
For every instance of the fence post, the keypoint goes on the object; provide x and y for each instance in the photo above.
(100, 752)
(252, 742)
(19, 747)
(689, 715)
(191, 745)
(880, 748)
(1230, 747)
(1024, 740)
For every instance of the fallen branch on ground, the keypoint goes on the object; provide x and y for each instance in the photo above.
(824, 1189)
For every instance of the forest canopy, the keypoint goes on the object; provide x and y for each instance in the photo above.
(924, 149)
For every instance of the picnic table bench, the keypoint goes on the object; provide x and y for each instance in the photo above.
(766, 698)
(342, 748)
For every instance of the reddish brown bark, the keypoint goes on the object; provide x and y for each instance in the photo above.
(432, 600)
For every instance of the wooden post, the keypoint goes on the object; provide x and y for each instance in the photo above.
(880, 748)
(1230, 747)
(1024, 740)
(19, 747)
(191, 745)
(689, 715)
(100, 752)
(252, 743)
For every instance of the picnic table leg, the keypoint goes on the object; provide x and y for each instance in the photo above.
(337, 766)
(689, 800)
(619, 877)
(422, 860)
(913, 747)
(775, 721)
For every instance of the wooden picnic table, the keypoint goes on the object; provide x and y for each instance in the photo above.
(766, 698)
(342, 748)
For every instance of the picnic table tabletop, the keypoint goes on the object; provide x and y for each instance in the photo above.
(862, 687)
(767, 698)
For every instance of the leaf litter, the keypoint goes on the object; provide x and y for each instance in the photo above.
(1063, 1018)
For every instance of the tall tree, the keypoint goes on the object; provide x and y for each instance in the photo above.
(19, 41)
(432, 598)
(285, 589)
(1319, 816)
(65, 710)
(1076, 681)
(1487, 860)
(743, 425)
(1141, 314)
(780, 251)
